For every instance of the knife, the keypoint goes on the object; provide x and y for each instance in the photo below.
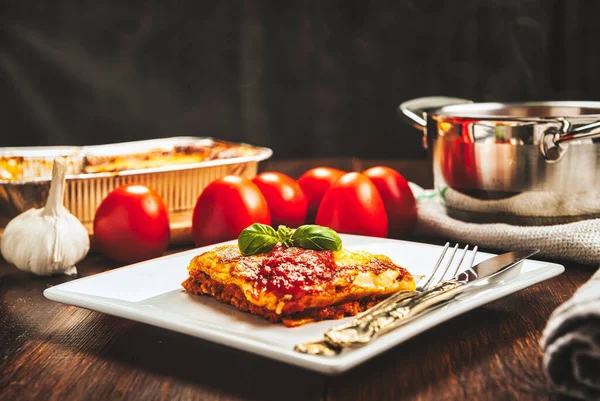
(369, 326)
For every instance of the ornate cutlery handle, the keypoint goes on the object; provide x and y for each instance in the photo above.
(386, 305)
(325, 348)
(367, 327)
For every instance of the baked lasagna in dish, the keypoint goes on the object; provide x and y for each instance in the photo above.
(296, 286)
(176, 155)
(32, 163)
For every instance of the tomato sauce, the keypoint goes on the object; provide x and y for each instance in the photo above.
(291, 270)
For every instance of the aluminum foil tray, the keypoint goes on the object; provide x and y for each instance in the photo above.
(178, 168)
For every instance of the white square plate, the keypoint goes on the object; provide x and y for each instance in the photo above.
(151, 292)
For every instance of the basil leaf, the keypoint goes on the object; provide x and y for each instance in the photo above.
(319, 238)
(285, 234)
(257, 238)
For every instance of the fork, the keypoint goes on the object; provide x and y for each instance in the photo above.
(423, 284)
(326, 348)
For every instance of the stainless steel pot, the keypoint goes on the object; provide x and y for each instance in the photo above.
(519, 163)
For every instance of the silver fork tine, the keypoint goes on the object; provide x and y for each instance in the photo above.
(435, 268)
(462, 257)
(447, 266)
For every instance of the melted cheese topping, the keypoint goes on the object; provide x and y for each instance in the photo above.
(120, 163)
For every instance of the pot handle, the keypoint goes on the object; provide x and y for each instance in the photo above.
(556, 139)
(415, 110)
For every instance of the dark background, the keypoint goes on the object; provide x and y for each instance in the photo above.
(307, 78)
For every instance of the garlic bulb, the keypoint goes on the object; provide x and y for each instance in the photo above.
(49, 240)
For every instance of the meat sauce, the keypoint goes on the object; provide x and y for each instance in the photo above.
(290, 270)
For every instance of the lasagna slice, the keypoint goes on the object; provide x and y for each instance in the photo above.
(296, 286)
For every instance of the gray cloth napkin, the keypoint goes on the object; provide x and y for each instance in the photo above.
(571, 343)
(577, 242)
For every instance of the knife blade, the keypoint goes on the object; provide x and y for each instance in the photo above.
(494, 265)
(367, 327)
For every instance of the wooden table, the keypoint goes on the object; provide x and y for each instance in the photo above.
(50, 351)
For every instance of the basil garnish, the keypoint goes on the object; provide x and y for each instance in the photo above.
(260, 238)
(285, 234)
(315, 237)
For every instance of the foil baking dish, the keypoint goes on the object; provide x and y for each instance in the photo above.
(178, 168)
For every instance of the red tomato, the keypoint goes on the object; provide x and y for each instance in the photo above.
(353, 206)
(132, 224)
(398, 198)
(287, 203)
(315, 183)
(225, 207)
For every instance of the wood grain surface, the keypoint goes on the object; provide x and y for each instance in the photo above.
(51, 351)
